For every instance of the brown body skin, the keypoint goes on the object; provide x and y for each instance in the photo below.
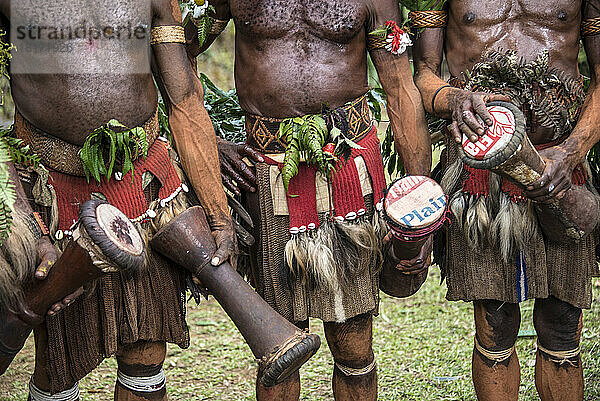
(72, 106)
(528, 27)
(291, 59)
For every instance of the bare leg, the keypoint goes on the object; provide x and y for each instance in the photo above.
(355, 373)
(40, 382)
(140, 376)
(288, 390)
(497, 326)
(558, 325)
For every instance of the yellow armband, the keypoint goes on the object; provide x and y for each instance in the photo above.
(167, 34)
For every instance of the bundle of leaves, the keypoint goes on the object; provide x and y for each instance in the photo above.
(554, 98)
(11, 150)
(163, 121)
(423, 5)
(112, 145)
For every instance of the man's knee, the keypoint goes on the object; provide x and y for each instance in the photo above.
(558, 325)
(140, 369)
(497, 326)
(142, 353)
(351, 342)
(497, 323)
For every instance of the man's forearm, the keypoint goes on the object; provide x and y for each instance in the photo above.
(405, 110)
(411, 136)
(431, 85)
(428, 54)
(197, 147)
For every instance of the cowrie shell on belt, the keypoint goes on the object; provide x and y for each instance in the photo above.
(351, 216)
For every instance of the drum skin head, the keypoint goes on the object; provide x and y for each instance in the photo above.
(413, 203)
(499, 142)
(119, 229)
(115, 235)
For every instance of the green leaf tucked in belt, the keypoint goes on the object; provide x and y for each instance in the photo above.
(109, 144)
(308, 137)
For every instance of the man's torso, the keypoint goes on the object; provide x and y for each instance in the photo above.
(528, 27)
(292, 57)
(71, 104)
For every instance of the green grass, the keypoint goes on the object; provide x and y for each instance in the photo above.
(423, 346)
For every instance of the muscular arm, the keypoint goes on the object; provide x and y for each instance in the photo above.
(192, 129)
(404, 106)
(428, 51)
(587, 131)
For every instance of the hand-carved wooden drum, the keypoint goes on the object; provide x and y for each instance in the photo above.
(280, 347)
(506, 150)
(104, 241)
(414, 208)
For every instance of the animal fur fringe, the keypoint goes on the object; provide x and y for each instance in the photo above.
(332, 254)
(18, 257)
(493, 220)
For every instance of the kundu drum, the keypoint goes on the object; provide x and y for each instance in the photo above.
(414, 208)
(506, 150)
(280, 347)
(104, 241)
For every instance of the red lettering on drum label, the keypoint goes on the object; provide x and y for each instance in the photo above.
(404, 187)
(495, 136)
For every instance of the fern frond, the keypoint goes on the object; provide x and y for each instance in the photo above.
(8, 193)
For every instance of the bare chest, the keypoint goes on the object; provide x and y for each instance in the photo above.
(336, 20)
(487, 13)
